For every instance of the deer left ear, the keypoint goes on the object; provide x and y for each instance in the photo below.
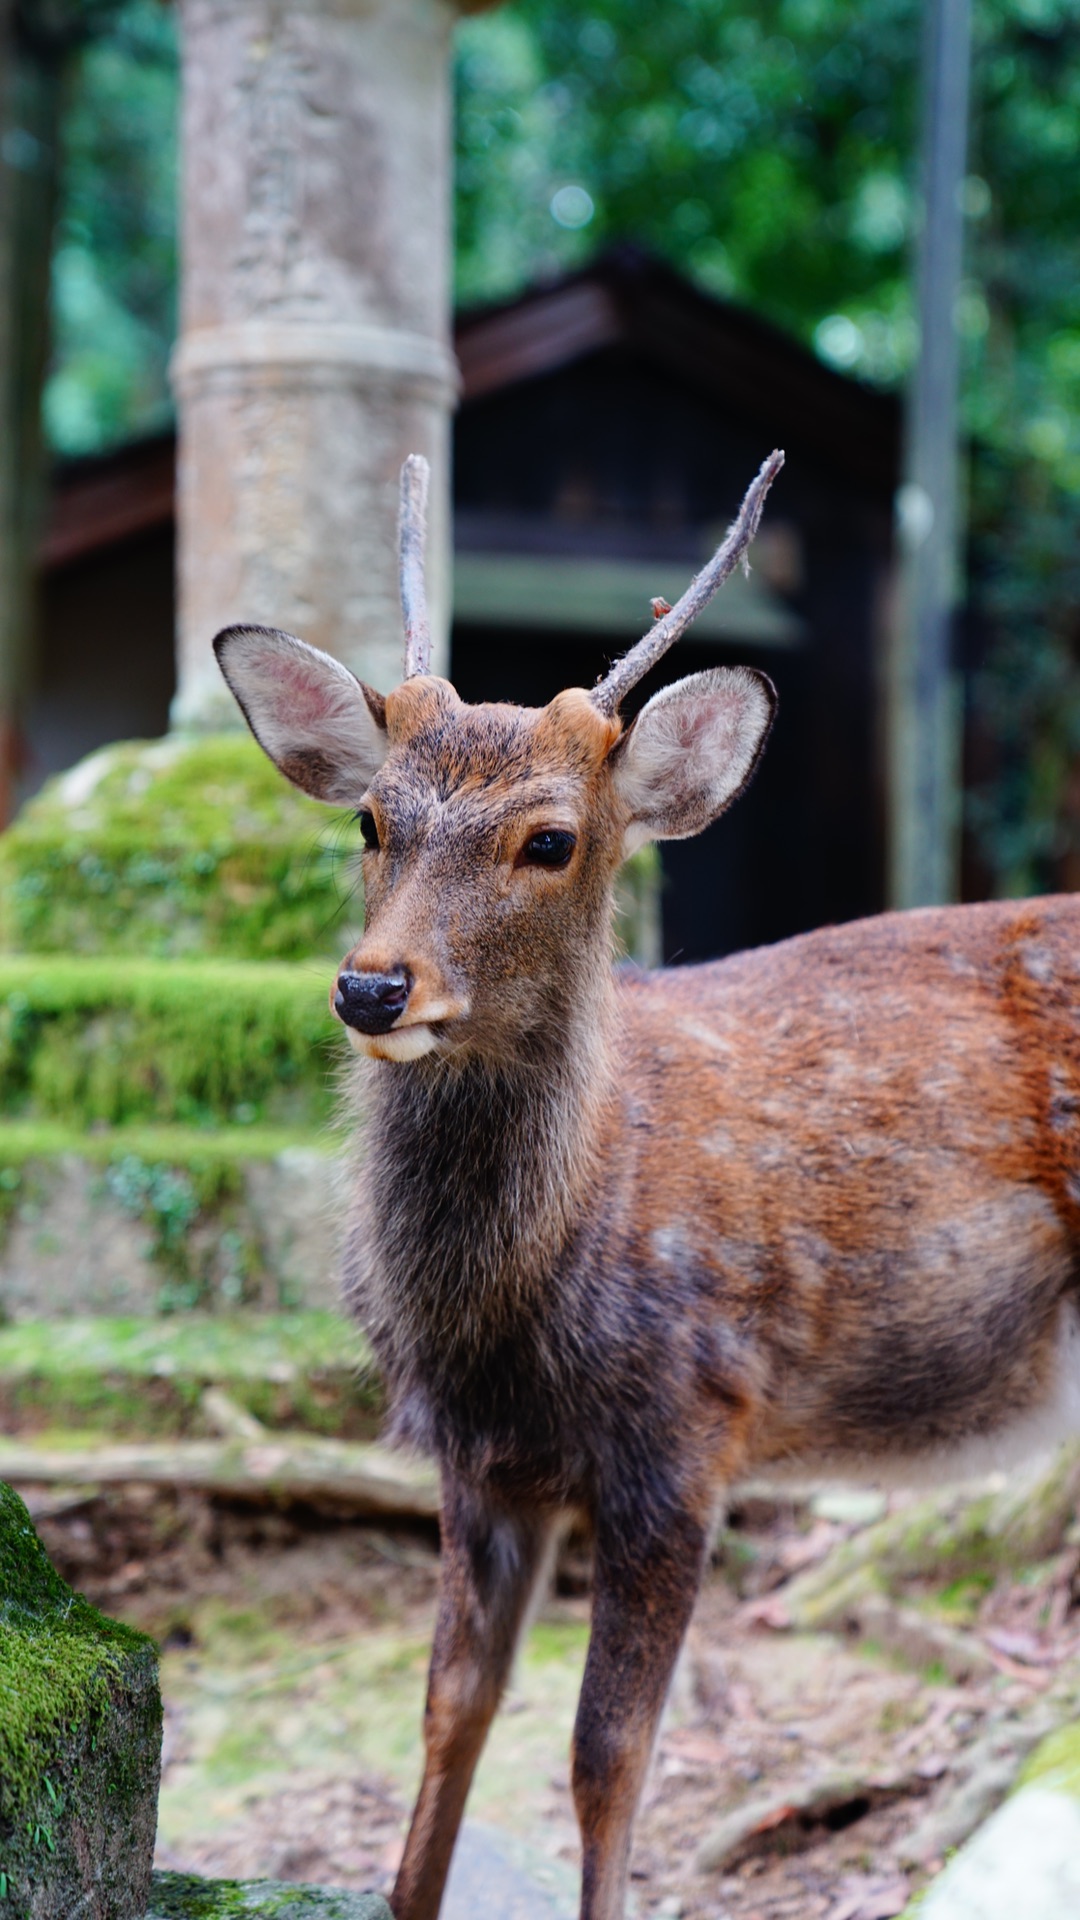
(320, 725)
(690, 752)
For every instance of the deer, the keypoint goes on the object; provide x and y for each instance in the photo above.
(620, 1238)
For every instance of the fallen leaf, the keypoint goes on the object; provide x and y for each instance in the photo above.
(1021, 1646)
(879, 1900)
(768, 1612)
(696, 1748)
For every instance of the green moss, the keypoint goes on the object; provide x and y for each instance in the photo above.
(80, 1738)
(109, 1042)
(59, 1657)
(208, 1155)
(1056, 1761)
(961, 1600)
(177, 846)
(180, 1896)
(143, 1378)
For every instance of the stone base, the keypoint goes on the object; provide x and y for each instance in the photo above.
(153, 1220)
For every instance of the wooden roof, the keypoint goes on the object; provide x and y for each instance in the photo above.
(751, 367)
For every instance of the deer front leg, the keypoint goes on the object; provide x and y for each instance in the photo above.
(491, 1560)
(644, 1595)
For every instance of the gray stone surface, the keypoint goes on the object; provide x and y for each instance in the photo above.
(493, 1879)
(1024, 1864)
(71, 1246)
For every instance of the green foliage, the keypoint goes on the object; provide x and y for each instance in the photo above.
(166, 1199)
(765, 150)
(769, 152)
(114, 263)
(109, 1042)
(177, 846)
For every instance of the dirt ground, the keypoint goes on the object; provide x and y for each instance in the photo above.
(294, 1652)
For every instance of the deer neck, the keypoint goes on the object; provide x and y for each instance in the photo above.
(478, 1174)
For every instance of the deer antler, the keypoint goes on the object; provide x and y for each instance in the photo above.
(412, 538)
(610, 692)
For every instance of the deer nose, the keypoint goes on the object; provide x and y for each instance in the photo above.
(371, 1002)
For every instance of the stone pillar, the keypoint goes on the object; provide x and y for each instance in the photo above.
(314, 348)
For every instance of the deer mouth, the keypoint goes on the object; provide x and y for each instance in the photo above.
(412, 1036)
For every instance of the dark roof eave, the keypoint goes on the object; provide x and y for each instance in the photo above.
(748, 364)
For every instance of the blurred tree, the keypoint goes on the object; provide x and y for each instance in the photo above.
(114, 259)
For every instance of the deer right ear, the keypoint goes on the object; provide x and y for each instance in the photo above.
(690, 752)
(320, 725)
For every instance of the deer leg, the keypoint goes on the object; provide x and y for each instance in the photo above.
(491, 1560)
(644, 1595)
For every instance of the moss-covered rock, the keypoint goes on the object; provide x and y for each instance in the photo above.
(80, 1744)
(191, 844)
(181, 1896)
(203, 1042)
(135, 1378)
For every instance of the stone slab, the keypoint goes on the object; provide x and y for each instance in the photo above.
(125, 1226)
(491, 1879)
(1024, 1864)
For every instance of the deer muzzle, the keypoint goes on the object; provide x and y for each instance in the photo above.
(371, 1002)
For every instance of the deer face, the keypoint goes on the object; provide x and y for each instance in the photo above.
(492, 833)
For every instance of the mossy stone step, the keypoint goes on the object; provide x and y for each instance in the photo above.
(80, 1744)
(200, 1042)
(181, 1896)
(148, 1379)
(143, 1220)
(191, 844)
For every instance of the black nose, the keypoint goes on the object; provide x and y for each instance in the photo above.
(371, 1002)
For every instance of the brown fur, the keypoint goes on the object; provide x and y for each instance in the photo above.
(620, 1237)
(628, 1237)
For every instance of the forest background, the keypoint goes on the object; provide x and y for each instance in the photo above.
(770, 154)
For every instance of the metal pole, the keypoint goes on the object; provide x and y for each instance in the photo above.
(924, 746)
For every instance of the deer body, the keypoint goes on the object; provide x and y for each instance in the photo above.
(619, 1238)
(825, 1202)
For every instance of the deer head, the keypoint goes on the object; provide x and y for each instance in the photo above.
(493, 833)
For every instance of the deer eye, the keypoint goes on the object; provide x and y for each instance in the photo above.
(369, 832)
(548, 848)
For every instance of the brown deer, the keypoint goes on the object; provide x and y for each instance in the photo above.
(620, 1237)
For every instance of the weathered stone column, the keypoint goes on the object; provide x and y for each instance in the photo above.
(314, 347)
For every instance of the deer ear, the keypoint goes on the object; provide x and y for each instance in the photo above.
(690, 752)
(320, 725)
